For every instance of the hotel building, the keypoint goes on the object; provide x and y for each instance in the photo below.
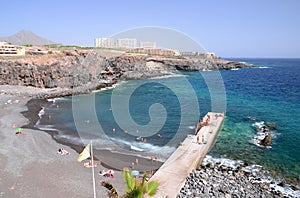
(147, 45)
(105, 43)
(7, 49)
(127, 43)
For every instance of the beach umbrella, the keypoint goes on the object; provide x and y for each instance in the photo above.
(135, 173)
(19, 129)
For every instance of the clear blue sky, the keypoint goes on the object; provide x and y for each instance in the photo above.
(230, 28)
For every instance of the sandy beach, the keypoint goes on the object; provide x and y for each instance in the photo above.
(30, 166)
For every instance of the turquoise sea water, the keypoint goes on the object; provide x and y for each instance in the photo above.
(271, 94)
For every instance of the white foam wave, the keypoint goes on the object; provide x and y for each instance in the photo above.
(162, 152)
(136, 148)
(71, 139)
(234, 164)
(41, 113)
(45, 127)
(53, 100)
(261, 134)
(258, 125)
(169, 76)
(263, 67)
(110, 87)
(206, 69)
(191, 127)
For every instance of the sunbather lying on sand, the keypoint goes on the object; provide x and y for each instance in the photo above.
(20, 133)
(62, 152)
(109, 173)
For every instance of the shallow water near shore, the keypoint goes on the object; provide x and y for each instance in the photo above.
(269, 94)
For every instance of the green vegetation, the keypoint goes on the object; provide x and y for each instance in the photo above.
(27, 45)
(68, 47)
(134, 187)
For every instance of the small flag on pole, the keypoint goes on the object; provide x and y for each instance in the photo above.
(86, 153)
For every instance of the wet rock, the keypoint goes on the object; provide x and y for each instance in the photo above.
(271, 125)
(227, 196)
(220, 183)
(282, 184)
(267, 141)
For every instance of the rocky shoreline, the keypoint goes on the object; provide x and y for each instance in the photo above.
(81, 71)
(219, 177)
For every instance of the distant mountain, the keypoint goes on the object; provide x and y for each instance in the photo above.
(26, 37)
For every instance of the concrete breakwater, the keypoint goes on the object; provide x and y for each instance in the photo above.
(90, 69)
(188, 156)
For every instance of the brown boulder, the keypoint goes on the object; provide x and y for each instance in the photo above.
(267, 141)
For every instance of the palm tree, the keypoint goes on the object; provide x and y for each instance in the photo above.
(134, 188)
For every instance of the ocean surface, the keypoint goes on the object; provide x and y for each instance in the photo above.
(165, 110)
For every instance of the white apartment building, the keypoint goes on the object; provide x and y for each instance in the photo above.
(147, 45)
(105, 43)
(127, 43)
(7, 49)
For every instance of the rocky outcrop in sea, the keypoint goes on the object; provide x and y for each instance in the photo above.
(265, 133)
(219, 177)
(79, 71)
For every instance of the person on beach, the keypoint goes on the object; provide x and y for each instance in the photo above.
(90, 164)
(198, 140)
(206, 123)
(152, 158)
(62, 152)
(109, 173)
(199, 126)
(20, 133)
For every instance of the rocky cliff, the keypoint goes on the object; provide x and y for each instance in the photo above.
(90, 69)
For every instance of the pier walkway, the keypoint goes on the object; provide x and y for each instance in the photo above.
(172, 174)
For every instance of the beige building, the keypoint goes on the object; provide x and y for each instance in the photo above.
(161, 52)
(147, 45)
(126, 43)
(7, 49)
(105, 43)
